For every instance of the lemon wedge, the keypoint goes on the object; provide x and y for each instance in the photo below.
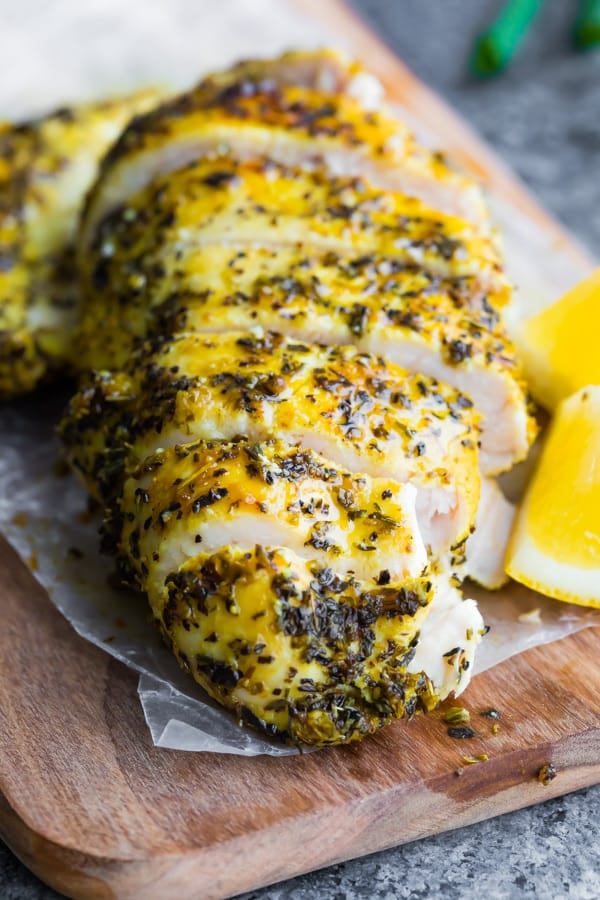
(560, 346)
(555, 544)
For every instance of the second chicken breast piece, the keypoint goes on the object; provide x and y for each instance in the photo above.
(46, 166)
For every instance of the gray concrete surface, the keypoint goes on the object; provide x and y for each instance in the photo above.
(543, 116)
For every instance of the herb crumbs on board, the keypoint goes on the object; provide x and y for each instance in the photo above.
(493, 714)
(547, 774)
(461, 732)
(490, 714)
(472, 760)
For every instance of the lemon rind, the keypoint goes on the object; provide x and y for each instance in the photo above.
(561, 581)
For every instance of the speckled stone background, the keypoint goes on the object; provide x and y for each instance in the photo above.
(543, 116)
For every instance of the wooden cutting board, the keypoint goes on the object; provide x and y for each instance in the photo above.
(96, 811)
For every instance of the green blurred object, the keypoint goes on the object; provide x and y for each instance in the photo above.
(586, 31)
(495, 47)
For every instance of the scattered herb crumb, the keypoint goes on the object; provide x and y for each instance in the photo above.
(495, 729)
(19, 519)
(490, 714)
(547, 774)
(457, 715)
(461, 732)
(472, 760)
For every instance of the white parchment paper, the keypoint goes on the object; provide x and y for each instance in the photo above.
(44, 516)
(68, 50)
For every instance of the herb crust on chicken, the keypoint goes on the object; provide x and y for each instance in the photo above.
(46, 168)
(295, 371)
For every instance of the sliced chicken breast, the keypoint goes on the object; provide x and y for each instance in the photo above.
(313, 641)
(294, 314)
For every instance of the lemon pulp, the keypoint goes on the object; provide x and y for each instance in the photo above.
(555, 544)
(560, 346)
(564, 500)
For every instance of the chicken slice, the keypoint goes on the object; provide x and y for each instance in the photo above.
(293, 648)
(315, 641)
(448, 329)
(222, 201)
(486, 548)
(327, 69)
(279, 109)
(218, 494)
(355, 409)
(46, 167)
(448, 639)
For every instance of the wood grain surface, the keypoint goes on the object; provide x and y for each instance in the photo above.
(96, 811)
